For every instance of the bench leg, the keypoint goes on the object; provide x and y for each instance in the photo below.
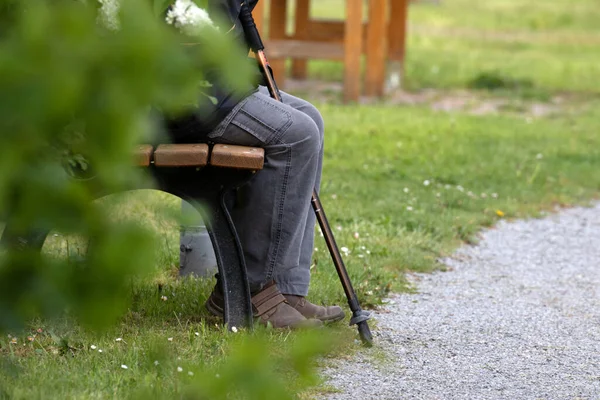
(237, 311)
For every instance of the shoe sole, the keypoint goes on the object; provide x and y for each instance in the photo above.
(213, 308)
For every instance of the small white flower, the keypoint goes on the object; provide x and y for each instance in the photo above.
(334, 196)
(460, 188)
(316, 249)
(363, 248)
(197, 333)
(188, 17)
(179, 369)
(438, 195)
(163, 298)
(447, 186)
(406, 190)
(495, 195)
(426, 182)
(156, 362)
(124, 366)
(356, 235)
(217, 376)
(539, 156)
(484, 195)
(190, 373)
(93, 347)
(99, 350)
(234, 329)
(339, 227)
(118, 339)
(409, 208)
(170, 339)
(345, 250)
(361, 256)
(368, 252)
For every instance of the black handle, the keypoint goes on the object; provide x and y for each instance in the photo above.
(250, 30)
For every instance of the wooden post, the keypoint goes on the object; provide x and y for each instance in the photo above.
(376, 47)
(277, 25)
(299, 67)
(397, 29)
(259, 16)
(353, 40)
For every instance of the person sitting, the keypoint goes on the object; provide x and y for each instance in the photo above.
(276, 224)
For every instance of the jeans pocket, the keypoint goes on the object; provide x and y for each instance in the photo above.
(258, 122)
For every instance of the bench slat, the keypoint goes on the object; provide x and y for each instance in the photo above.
(241, 157)
(181, 155)
(142, 155)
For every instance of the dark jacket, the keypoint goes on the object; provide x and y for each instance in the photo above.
(198, 122)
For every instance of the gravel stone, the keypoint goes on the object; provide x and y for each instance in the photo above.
(515, 317)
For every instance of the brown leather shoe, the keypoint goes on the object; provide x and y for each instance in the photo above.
(270, 307)
(309, 310)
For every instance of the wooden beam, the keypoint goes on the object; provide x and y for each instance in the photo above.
(299, 67)
(277, 27)
(397, 29)
(376, 48)
(305, 50)
(353, 44)
(259, 16)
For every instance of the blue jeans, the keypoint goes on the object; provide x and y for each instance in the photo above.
(276, 223)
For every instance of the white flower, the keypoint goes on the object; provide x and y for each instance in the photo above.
(345, 250)
(188, 17)
(184, 15)
(170, 339)
(156, 362)
(99, 350)
(356, 235)
(124, 366)
(234, 329)
(118, 339)
(163, 298)
(409, 208)
(179, 369)
(406, 190)
(495, 195)
(190, 373)
(460, 188)
(109, 14)
(93, 347)
(539, 156)
(197, 333)
(426, 182)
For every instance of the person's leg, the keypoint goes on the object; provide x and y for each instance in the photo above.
(307, 246)
(296, 298)
(272, 221)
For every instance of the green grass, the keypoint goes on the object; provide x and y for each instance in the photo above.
(403, 186)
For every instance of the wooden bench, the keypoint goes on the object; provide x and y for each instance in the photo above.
(206, 176)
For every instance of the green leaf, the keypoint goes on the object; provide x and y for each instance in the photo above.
(160, 6)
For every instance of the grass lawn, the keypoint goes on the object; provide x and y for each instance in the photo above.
(403, 185)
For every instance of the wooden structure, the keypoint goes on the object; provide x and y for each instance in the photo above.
(381, 38)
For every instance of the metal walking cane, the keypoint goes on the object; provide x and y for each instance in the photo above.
(359, 316)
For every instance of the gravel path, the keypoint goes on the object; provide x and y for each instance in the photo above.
(515, 317)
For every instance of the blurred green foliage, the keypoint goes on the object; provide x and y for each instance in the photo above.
(75, 94)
